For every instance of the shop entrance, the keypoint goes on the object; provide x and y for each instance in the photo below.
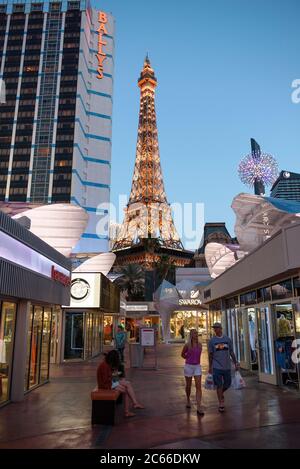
(285, 335)
(265, 348)
(74, 335)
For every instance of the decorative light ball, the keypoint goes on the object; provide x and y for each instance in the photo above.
(262, 167)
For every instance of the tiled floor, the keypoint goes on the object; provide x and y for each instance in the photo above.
(57, 415)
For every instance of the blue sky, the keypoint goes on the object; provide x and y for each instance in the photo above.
(224, 70)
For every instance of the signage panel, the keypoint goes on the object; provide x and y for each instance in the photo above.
(147, 335)
(14, 251)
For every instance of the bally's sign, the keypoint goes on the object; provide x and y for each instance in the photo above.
(101, 55)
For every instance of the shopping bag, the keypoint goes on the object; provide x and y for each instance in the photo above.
(238, 381)
(209, 383)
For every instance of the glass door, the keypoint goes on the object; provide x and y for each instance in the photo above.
(74, 335)
(266, 368)
(252, 340)
(243, 339)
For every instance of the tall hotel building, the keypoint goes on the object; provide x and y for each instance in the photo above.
(57, 60)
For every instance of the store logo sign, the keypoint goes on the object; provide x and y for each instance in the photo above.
(60, 277)
(195, 293)
(189, 302)
(101, 55)
(80, 289)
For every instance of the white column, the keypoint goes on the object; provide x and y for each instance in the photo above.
(20, 352)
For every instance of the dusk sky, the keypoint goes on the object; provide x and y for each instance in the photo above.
(225, 70)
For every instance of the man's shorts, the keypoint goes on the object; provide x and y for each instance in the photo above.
(192, 370)
(222, 378)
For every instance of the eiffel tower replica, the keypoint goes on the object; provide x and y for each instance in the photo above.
(148, 230)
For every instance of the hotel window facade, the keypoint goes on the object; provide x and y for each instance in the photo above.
(56, 123)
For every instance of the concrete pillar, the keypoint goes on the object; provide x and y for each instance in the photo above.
(20, 352)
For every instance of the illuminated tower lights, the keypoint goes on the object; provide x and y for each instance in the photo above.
(148, 214)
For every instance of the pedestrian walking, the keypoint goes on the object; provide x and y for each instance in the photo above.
(191, 352)
(120, 340)
(221, 352)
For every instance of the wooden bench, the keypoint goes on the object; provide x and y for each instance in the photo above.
(104, 403)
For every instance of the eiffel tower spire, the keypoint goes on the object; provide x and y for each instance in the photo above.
(148, 214)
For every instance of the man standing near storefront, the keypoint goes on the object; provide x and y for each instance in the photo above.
(121, 341)
(220, 350)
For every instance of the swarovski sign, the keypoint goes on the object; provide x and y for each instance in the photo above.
(189, 302)
(194, 299)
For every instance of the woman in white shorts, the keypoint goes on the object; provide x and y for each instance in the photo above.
(191, 352)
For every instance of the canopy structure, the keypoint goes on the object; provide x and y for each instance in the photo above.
(259, 217)
(100, 263)
(219, 257)
(59, 225)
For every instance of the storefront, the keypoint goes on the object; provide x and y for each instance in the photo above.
(141, 314)
(34, 282)
(259, 303)
(182, 322)
(90, 323)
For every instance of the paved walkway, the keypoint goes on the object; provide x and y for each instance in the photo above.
(58, 414)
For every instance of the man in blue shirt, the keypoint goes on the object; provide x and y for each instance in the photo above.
(220, 350)
(120, 341)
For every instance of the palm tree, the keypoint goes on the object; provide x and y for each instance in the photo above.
(164, 270)
(132, 280)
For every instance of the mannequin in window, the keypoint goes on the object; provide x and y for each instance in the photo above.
(284, 327)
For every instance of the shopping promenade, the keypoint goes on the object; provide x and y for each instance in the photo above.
(58, 414)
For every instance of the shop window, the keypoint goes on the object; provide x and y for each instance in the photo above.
(7, 330)
(296, 282)
(263, 294)
(248, 298)
(232, 302)
(284, 344)
(282, 290)
(38, 347)
(182, 322)
(108, 330)
(45, 353)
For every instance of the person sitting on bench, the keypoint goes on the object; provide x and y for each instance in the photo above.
(110, 364)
